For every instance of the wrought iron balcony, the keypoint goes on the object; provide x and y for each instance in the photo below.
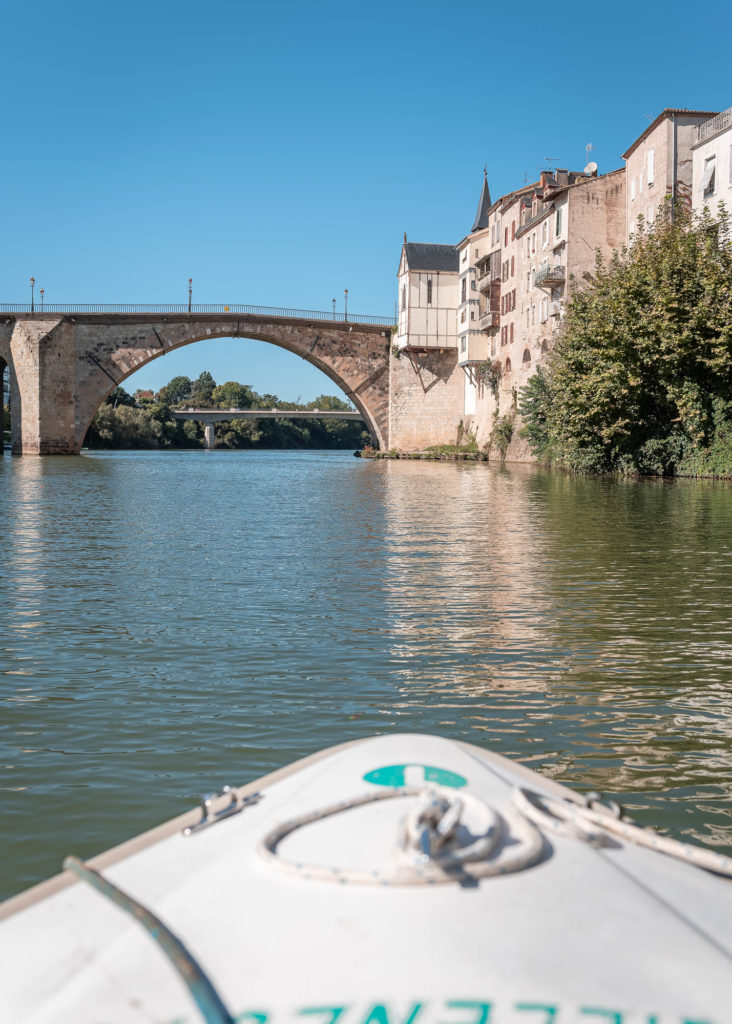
(549, 277)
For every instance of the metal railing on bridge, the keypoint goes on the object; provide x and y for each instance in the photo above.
(236, 310)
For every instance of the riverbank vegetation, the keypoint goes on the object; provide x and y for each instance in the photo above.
(639, 380)
(144, 420)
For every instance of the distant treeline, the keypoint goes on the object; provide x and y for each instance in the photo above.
(144, 420)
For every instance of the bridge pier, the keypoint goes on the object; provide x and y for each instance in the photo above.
(209, 432)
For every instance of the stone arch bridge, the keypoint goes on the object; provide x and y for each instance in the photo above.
(64, 362)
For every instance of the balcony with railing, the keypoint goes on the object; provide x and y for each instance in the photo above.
(474, 348)
(491, 318)
(714, 125)
(489, 268)
(549, 277)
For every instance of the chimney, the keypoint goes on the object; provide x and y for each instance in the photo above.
(562, 177)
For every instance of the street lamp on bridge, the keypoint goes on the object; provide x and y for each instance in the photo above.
(33, 285)
(190, 292)
(43, 292)
(334, 311)
(345, 293)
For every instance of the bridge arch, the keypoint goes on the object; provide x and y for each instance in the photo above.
(88, 355)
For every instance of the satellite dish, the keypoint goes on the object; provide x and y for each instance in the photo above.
(591, 168)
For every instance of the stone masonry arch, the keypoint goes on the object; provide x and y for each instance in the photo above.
(65, 366)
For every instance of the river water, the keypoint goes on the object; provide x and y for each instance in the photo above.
(171, 622)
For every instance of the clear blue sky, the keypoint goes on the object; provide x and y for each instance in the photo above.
(276, 152)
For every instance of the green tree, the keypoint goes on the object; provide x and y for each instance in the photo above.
(330, 403)
(202, 391)
(643, 355)
(233, 395)
(176, 391)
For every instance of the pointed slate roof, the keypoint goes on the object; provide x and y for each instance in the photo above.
(481, 217)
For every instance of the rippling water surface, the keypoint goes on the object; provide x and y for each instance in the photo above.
(171, 622)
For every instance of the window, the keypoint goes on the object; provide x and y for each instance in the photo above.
(472, 314)
(528, 245)
(632, 190)
(558, 225)
(508, 365)
(473, 286)
(545, 234)
(464, 290)
(526, 357)
(506, 237)
(513, 299)
(709, 175)
(533, 315)
(463, 343)
(404, 298)
(533, 242)
(544, 347)
(513, 229)
(477, 253)
(651, 166)
(429, 291)
(511, 333)
(463, 317)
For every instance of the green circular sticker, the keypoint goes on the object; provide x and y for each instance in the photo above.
(414, 775)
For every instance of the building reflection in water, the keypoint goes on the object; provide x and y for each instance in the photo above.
(580, 625)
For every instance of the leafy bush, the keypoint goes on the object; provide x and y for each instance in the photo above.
(643, 358)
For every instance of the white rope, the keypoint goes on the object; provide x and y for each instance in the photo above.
(486, 856)
(561, 817)
(427, 851)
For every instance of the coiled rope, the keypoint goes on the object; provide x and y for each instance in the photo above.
(427, 850)
(426, 853)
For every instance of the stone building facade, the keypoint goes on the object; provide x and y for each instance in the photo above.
(659, 165)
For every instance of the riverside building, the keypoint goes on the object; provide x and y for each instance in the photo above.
(476, 319)
(712, 165)
(659, 165)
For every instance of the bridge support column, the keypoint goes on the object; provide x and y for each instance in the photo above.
(42, 411)
(209, 431)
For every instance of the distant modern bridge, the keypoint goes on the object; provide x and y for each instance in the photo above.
(210, 417)
(64, 360)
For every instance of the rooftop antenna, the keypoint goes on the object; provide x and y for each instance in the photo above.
(588, 149)
(549, 161)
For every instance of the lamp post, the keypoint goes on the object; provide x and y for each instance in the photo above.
(190, 292)
(33, 285)
(345, 294)
(43, 292)
(334, 311)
